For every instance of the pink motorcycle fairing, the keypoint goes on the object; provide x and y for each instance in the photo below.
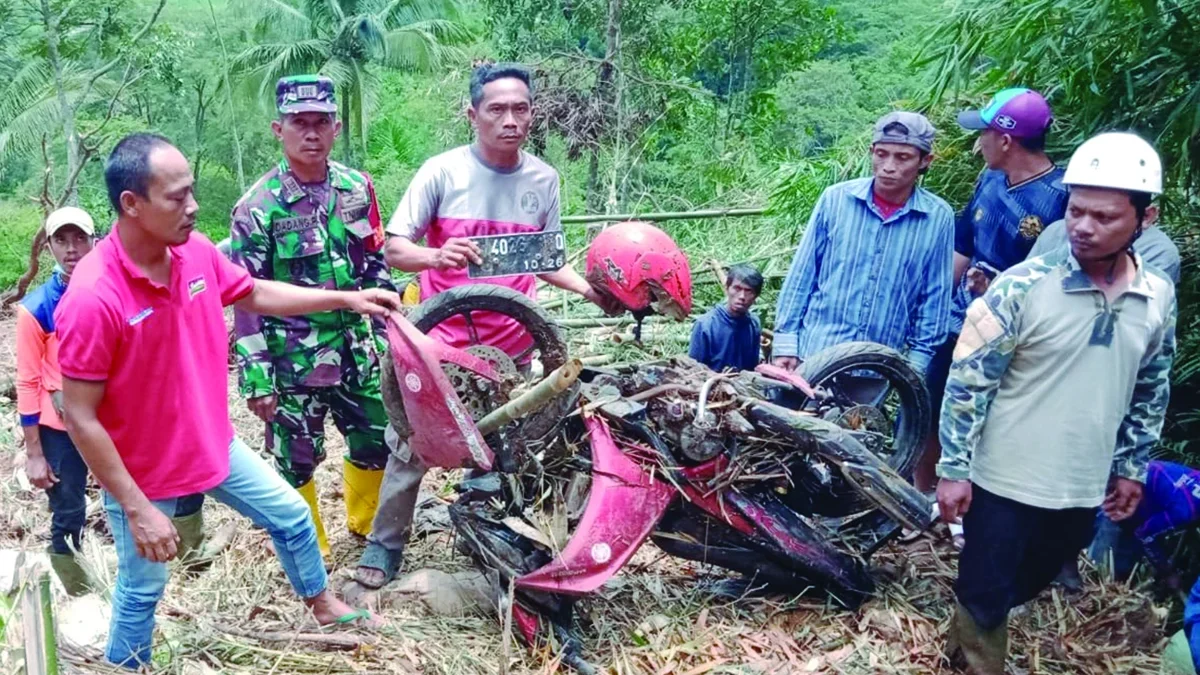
(784, 375)
(443, 433)
(624, 505)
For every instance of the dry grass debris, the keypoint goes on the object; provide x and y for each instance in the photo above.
(655, 618)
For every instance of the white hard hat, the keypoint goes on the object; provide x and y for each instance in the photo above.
(70, 215)
(1119, 161)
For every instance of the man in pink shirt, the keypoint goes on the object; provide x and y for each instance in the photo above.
(51, 460)
(143, 350)
(487, 188)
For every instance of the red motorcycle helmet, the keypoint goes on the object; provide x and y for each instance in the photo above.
(642, 268)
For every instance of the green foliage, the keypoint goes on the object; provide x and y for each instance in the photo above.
(19, 223)
(350, 41)
(1104, 64)
(818, 106)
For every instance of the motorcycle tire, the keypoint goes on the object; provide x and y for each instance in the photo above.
(547, 337)
(914, 421)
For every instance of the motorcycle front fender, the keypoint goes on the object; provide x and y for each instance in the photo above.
(624, 505)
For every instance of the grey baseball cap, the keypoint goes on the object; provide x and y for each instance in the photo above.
(907, 128)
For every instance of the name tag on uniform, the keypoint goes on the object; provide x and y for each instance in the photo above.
(526, 253)
(353, 213)
(295, 223)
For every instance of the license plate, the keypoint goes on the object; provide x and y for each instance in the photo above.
(528, 253)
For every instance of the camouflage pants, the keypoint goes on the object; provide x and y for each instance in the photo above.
(296, 437)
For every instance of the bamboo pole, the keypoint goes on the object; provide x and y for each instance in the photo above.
(37, 618)
(663, 215)
(553, 385)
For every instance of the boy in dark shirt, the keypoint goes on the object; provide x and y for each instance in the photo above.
(728, 336)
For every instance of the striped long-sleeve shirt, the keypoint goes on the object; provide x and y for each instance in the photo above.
(860, 276)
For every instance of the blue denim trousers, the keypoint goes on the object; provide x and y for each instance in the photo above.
(254, 490)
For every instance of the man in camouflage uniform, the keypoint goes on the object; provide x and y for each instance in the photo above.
(1056, 395)
(313, 222)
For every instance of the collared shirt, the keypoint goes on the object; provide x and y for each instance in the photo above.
(325, 235)
(1155, 247)
(456, 194)
(162, 353)
(1002, 222)
(1054, 388)
(721, 340)
(38, 376)
(859, 276)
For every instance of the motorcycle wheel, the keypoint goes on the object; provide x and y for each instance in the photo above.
(549, 348)
(903, 417)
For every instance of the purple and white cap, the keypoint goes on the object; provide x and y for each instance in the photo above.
(1018, 112)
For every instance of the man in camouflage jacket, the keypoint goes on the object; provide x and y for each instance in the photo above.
(1057, 393)
(313, 222)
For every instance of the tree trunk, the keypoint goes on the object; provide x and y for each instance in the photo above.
(66, 110)
(593, 181)
(198, 127)
(605, 89)
(233, 125)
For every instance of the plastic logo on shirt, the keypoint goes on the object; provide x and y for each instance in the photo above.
(140, 316)
(195, 287)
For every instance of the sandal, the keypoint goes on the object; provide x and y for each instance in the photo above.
(377, 557)
(359, 618)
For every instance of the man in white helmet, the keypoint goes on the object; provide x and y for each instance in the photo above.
(1056, 395)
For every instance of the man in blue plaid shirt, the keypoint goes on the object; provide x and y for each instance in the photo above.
(875, 262)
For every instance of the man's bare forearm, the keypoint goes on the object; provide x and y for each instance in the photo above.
(275, 298)
(96, 446)
(33, 441)
(568, 280)
(407, 256)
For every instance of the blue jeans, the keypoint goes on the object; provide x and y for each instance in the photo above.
(254, 490)
(1117, 540)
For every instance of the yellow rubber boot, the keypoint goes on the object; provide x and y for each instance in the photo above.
(309, 492)
(412, 295)
(362, 497)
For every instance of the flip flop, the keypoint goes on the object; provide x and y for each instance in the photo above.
(351, 620)
(377, 557)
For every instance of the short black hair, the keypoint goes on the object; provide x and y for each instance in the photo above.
(490, 72)
(1033, 143)
(747, 274)
(1141, 202)
(128, 166)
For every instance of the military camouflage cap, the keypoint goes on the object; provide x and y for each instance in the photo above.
(305, 93)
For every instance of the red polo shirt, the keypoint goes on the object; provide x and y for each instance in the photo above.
(162, 352)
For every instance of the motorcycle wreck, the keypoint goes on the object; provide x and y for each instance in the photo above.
(782, 478)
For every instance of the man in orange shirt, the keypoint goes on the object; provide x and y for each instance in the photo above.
(52, 462)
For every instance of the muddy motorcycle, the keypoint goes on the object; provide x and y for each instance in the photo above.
(790, 479)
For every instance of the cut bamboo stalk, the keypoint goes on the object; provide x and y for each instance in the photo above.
(599, 218)
(556, 383)
(37, 618)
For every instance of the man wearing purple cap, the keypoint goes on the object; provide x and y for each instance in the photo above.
(1018, 194)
